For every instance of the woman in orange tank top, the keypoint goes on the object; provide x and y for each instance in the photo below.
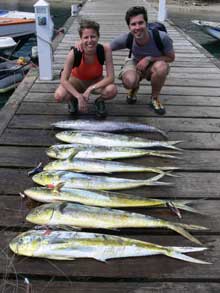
(79, 82)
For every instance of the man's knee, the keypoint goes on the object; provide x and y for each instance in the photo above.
(161, 68)
(130, 81)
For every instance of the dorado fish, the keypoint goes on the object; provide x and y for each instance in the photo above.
(68, 245)
(112, 140)
(101, 198)
(101, 166)
(108, 126)
(91, 182)
(82, 216)
(66, 151)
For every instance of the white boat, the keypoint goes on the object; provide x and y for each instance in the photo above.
(16, 24)
(209, 27)
(6, 43)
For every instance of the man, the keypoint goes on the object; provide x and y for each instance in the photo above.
(147, 60)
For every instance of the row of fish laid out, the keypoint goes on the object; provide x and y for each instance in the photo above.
(90, 196)
(69, 245)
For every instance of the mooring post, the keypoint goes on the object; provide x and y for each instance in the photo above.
(44, 31)
(162, 11)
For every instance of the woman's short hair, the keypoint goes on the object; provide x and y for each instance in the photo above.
(86, 23)
(134, 11)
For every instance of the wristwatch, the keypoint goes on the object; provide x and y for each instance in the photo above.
(93, 87)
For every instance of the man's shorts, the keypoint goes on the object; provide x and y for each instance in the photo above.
(130, 64)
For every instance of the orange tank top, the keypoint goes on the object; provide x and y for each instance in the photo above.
(88, 71)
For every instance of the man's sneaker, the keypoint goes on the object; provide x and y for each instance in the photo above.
(73, 106)
(100, 108)
(131, 97)
(157, 106)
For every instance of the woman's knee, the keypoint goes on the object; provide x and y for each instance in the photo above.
(110, 91)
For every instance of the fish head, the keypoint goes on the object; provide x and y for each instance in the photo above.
(41, 215)
(47, 178)
(62, 153)
(38, 193)
(25, 244)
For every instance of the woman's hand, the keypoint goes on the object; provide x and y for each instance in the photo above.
(82, 104)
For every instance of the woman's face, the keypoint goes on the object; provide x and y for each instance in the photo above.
(89, 40)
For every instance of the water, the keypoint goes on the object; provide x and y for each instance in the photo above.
(60, 12)
(183, 17)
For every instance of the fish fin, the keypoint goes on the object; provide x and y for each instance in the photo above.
(177, 228)
(100, 259)
(178, 255)
(57, 187)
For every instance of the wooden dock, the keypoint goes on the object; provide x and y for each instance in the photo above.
(192, 99)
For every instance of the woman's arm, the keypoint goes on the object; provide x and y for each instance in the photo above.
(66, 75)
(109, 78)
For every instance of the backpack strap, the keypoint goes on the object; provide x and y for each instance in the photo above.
(129, 43)
(78, 55)
(157, 39)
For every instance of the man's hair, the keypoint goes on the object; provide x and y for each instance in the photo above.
(134, 11)
(86, 23)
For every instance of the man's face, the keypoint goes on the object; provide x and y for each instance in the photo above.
(138, 26)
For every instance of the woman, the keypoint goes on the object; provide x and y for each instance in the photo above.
(79, 81)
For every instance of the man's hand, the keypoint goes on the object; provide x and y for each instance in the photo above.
(143, 63)
(78, 46)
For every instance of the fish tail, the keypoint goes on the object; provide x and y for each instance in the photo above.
(170, 145)
(183, 206)
(177, 228)
(154, 180)
(163, 133)
(181, 256)
(192, 227)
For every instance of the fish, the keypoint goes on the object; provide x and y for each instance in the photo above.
(112, 140)
(101, 198)
(66, 151)
(69, 245)
(108, 126)
(93, 182)
(83, 216)
(101, 166)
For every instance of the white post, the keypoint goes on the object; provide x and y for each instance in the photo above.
(44, 30)
(162, 12)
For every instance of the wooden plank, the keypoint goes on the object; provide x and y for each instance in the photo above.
(190, 184)
(168, 124)
(135, 110)
(68, 286)
(142, 98)
(45, 138)
(168, 269)
(173, 90)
